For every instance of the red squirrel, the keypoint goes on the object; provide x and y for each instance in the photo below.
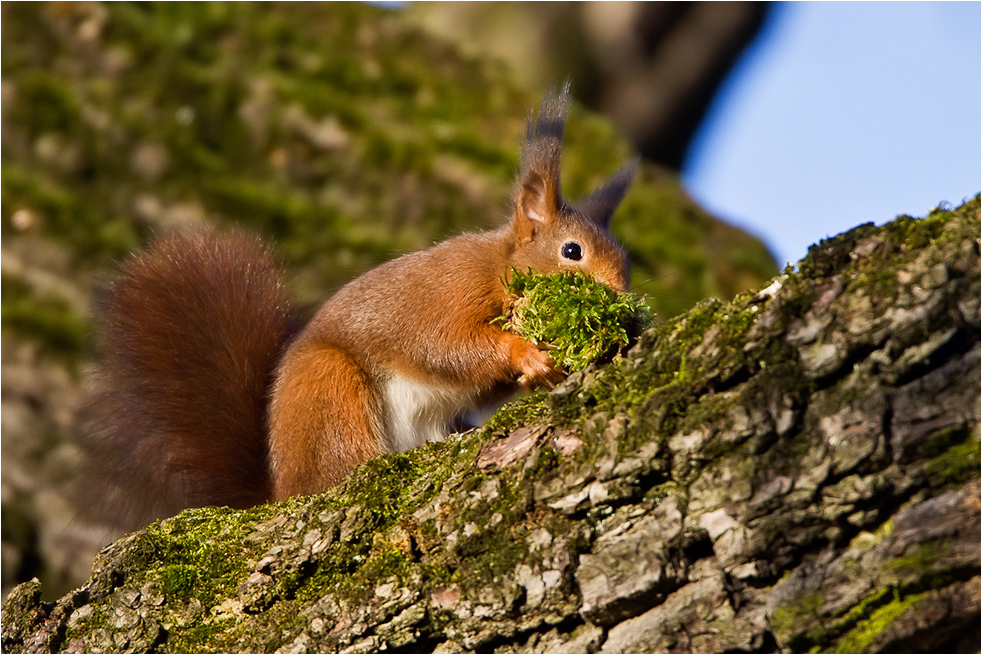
(212, 393)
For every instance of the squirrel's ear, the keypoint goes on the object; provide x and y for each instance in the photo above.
(538, 197)
(536, 203)
(600, 205)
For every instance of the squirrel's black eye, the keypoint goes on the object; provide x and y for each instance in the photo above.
(572, 250)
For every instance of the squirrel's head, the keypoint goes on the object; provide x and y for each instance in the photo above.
(550, 235)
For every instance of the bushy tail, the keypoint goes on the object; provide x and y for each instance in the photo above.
(190, 333)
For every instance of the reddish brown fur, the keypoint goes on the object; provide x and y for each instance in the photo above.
(191, 332)
(327, 412)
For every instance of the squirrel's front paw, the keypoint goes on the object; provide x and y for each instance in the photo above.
(538, 369)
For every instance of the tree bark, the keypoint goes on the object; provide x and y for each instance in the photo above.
(795, 470)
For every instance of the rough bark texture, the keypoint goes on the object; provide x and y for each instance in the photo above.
(795, 470)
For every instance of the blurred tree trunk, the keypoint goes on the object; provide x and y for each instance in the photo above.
(653, 68)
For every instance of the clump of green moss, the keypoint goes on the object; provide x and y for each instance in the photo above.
(578, 319)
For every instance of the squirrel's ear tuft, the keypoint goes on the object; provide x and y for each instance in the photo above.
(538, 196)
(600, 205)
(544, 133)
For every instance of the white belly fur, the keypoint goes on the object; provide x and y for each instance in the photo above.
(417, 412)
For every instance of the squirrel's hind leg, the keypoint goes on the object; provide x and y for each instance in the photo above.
(324, 420)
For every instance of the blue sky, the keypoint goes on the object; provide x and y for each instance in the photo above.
(843, 113)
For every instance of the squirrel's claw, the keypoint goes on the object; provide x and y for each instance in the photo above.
(538, 369)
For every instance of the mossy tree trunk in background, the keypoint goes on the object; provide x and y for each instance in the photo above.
(796, 470)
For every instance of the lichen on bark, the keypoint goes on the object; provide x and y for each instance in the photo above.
(795, 470)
